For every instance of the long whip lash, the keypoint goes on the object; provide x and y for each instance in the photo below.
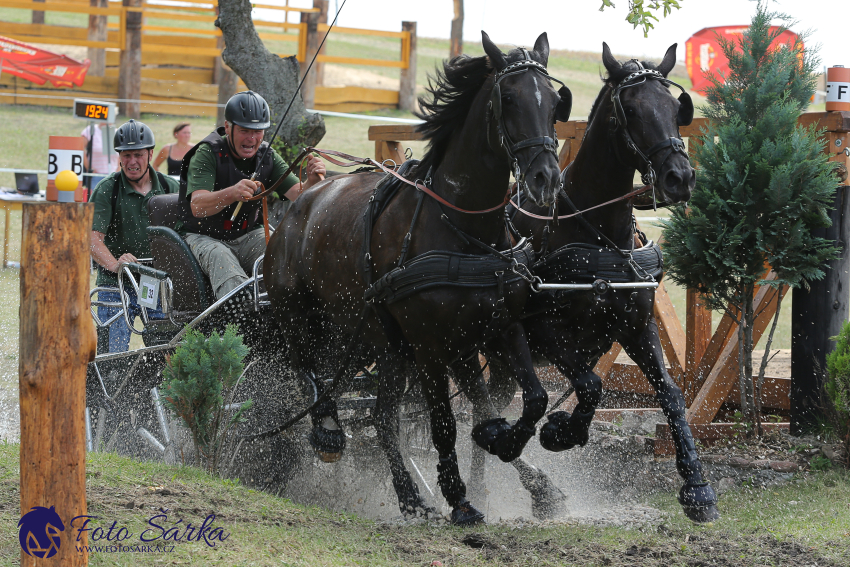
(292, 100)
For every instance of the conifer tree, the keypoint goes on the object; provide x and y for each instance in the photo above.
(197, 377)
(763, 184)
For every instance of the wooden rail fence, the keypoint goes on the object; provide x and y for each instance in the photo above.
(702, 363)
(180, 52)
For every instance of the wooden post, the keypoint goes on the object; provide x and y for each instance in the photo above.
(323, 6)
(130, 73)
(456, 38)
(57, 340)
(698, 337)
(817, 315)
(97, 32)
(37, 15)
(407, 83)
(308, 88)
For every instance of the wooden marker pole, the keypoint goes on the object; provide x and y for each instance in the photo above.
(57, 339)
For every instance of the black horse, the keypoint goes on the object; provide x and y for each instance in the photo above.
(633, 125)
(345, 240)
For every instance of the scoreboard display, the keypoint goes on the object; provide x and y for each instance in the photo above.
(94, 111)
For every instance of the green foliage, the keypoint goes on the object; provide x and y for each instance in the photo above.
(763, 181)
(763, 184)
(290, 151)
(198, 376)
(641, 12)
(838, 388)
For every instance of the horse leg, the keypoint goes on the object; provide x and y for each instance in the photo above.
(565, 430)
(303, 329)
(386, 419)
(495, 435)
(697, 498)
(435, 386)
(547, 500)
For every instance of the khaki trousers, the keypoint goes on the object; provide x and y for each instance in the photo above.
(227, 262)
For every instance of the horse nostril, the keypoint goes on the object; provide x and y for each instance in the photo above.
(672, 179)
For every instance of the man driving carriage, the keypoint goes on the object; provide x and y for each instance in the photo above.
(216, 178)
(120, 219)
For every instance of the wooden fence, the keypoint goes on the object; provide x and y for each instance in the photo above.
(180, 53)
(703, 363)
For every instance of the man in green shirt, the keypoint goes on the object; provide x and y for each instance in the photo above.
(215, 180)
(120, 219)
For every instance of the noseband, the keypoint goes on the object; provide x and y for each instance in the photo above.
(546, 143)
(618, 121)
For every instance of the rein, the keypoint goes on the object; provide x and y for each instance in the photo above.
(353, 160)
(634, 193)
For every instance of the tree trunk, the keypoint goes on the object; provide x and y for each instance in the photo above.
(275, 78)
(457, 30)
(749, 410)
(765, 359)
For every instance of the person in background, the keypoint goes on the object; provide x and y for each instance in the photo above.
(173, 153)
(118, 228)
(96, 161)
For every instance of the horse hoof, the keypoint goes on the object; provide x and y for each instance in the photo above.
(699, 502)
(564, 431)
(327, 443)
(465, 514)
(489, 434)
(548, 501)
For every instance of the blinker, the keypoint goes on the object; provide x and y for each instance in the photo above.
(686, 110)
(496, 101)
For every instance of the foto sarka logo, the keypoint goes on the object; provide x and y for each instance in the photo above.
(39, 532)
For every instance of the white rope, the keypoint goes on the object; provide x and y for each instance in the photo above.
(212, 104)
(44, 172)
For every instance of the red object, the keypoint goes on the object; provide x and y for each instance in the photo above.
(703, 55)
(39, 66)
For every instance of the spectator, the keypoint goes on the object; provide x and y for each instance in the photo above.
(173, 153)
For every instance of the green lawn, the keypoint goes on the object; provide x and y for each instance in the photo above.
(803, 523)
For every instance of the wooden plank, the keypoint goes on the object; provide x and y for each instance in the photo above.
(697, 336)
(63, 7)
(179, 40)
(606, 362)
(194, 92)
(671, 333)
(44, 31)
(694, 128)
(57, 342)
(201, 76)
(394, 132)
(629, 379)
(724, 375)
(338, 95)
(711, 431)
(322, 28)
(829, 121)
(564, 154)
(360, 61)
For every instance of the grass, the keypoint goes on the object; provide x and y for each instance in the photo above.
(758, 527)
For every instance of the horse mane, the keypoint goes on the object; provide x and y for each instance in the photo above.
(450, 96)
(613, 79)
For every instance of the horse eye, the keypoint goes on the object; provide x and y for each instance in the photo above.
(507, 99)
(629, 111)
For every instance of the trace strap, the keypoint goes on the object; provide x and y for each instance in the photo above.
(369, 161)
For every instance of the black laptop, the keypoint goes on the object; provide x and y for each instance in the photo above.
(26, 183)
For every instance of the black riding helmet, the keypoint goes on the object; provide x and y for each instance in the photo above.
(249, 110)
(133, 135)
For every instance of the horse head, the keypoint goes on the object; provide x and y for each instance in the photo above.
(522, 110)
(644, 119)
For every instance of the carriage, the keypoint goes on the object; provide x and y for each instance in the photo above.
(433, 302)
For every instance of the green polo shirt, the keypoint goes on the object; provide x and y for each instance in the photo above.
(202, 170)
(125, 226)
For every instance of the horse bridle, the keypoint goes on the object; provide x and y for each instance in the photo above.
(546, 143)
(618, 121)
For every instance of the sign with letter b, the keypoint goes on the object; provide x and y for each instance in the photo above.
(65, 152)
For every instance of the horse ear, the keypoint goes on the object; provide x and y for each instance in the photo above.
(497, 58)
(610, 62)
(565, 105)
(686, 110)
(668, 62)
(541, 47)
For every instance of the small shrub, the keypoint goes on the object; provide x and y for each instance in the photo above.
(197, 378)
(838, 389)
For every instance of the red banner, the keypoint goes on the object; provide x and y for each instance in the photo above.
(39, 66)
(703, 55)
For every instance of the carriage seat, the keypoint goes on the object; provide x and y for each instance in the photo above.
(192, 290)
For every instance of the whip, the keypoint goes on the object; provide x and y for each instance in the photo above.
(292, 100)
